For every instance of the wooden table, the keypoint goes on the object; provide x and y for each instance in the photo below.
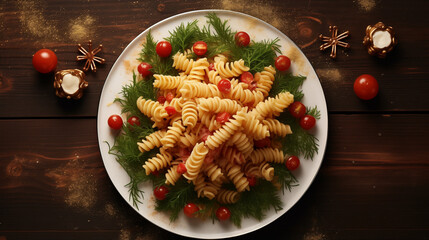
(374, 180)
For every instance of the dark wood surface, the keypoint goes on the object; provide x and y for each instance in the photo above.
(374, 180)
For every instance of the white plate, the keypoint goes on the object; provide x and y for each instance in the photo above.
(121, 74)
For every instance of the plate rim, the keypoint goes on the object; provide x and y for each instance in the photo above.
(321, 151)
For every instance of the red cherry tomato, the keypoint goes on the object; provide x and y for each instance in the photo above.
(212, 67)
(163, 49)
(292, 163)
(160, 192)
(200, 48)
(181, 168)
(297, 109)
(266, 142)
(169, 96)
(190, 209)
(134, 121)
(307, 122)
(223, 213)
(252, 181)
(161, 99)
(246, 77)
(45, 61)
(224, 86)
(242, 39)
(366, 87)
(170, 110)
(144, 69)
(115, 122)
(282, 63)
(223, 117)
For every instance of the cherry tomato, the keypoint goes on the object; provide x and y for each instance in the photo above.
(181, 168)
(297, 109)
(160, 192)
(223, 213)
(292, 163)
(224, 86)
(134, 121)
(169, 96)
(252, 181)
(45, 61)
(115, 122)
(282, 63)
(163, 49)
(223, 117)
(190, 209)
(212, 67)
(200, 48)
(161, 99)
(266, 142)
(366, 87)
(242, 39)
(170, 110)
(307, 122)
(246, 77)
(144, 69)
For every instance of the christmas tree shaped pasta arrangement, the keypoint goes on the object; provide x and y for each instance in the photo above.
(215, 120)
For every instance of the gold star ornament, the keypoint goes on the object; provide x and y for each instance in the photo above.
(89, 56)
(334, 40)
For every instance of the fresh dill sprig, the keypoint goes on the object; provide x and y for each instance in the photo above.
(284, 177)
(258, 54)
(313, 111)
(183, 36)
(149, 55)
(288, 82)
(177, 197)
(301, 142)
(256, 202)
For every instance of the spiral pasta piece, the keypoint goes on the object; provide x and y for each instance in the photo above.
(192, 89)
(266, 171)
(172, 176)
(231, 69)
(195, 161)
(242, 142)
(227, 130)
(190, 113)
(160, 161)
(231, 154)
(199, 69)
(253, 127)
(214, 77)
(227, 196)
(213, 171)
(267, 154)
(165, 82)
(234, 173)
(276, 127)
(181, 62)
(219, 105)
(188, 139)
(152, 109)
(265, 80)
(173, 134)
(209, 121)
(151, 141)
(272, 106)
(177, 103)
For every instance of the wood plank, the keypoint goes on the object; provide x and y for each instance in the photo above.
(372, 184)
(402, 76)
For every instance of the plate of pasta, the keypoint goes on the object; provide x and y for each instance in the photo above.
(217, 111)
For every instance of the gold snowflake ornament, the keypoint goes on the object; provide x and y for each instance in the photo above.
(334, 40)
(89, 56)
